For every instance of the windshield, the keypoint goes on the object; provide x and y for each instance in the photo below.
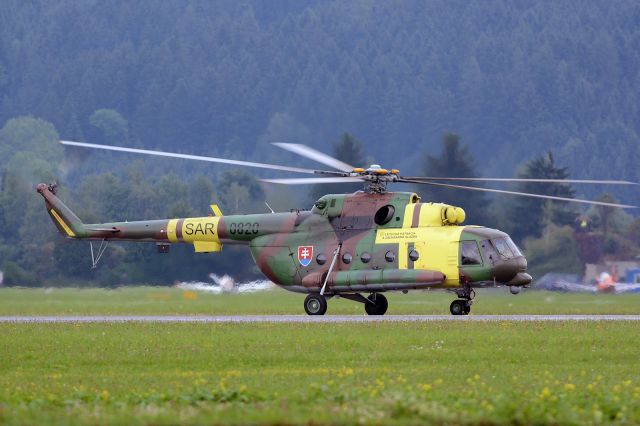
(514, 248)
(502, 248)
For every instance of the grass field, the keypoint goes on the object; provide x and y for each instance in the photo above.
(164, 300)
(365, 373)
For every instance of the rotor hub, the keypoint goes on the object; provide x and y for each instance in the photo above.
(376, 178)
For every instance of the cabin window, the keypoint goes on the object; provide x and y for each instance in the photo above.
(321, 259)
(470, 253)
(384, 214)
(347, 258)
(365, 257)
(390, 256)
(414, 255)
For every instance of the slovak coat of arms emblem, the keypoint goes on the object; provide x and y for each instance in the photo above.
(305, 254)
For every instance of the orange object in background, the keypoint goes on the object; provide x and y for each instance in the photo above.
(189, 295)
(606, 283)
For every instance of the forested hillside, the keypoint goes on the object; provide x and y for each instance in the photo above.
(513, 78)
(508, 81)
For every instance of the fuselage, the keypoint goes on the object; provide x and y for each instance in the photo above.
(375, 242)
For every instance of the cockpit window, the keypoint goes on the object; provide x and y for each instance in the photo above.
(470, 254)
(502, 248)
(514, 248)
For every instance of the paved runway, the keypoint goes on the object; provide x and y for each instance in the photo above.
(309, 319)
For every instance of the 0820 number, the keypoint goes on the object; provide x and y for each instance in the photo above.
(247, 228)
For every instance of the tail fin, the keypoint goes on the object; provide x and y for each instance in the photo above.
(65, 220)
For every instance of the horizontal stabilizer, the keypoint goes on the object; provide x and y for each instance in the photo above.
(113, 230)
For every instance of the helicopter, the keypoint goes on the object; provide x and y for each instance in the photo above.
(354, 246)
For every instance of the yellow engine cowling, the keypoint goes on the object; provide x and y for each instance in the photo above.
(432, 214)
(453, 215)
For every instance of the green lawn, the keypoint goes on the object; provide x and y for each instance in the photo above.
(398, 373)
(163, 300)
(364, 373)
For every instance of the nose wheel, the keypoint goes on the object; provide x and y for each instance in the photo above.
(462, 306)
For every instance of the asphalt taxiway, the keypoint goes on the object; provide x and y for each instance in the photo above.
(307, 319)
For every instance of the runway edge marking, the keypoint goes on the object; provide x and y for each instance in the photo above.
(307, 319)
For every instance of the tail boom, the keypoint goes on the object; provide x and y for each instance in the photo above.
(202, 232)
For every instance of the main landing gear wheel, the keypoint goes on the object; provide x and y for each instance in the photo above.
(379, 305)
(315, 304)
(460, 307)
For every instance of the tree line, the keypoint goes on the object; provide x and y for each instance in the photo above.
(231, 76)
(104, 187)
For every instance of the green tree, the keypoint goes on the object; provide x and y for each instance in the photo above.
(605, 214)
(350, 150)
(347, 149)
(239, 192)
(555, 250)
(29, 154)
(454, 161)
(634, 232)
(529, 216)
(201, 195)
(114, 128)
(105, 197)
(30, 135)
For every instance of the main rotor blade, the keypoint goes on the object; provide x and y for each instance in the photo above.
(189, 157)
(306, 181)
(524, 194)
(598, 182)
(314, 155)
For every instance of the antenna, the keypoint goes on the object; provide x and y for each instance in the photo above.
(269, 207)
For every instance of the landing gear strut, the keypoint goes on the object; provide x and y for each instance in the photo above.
(462, 306)
(375, 304)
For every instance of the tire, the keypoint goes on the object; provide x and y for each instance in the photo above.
(379, 306)
(467, 308)
(315, 304)
(457, 307)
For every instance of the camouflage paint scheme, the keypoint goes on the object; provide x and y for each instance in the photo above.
(411, 245)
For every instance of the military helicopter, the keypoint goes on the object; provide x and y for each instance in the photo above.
(347, 245)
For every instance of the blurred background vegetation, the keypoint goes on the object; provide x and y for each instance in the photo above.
(445, 88)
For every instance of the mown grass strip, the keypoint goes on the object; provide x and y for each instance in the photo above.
(173, 301)
(398, 373)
